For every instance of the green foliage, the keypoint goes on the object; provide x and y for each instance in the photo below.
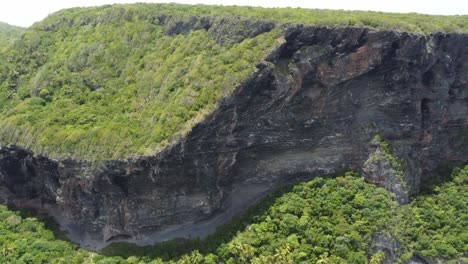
(8, 34)
(411, 22)
(114, 81)
(25, 240)
(377, 258)
(118, 88)
(436, 225)
(320, 221)
(442, 174)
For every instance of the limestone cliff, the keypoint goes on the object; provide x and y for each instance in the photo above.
(311, 109)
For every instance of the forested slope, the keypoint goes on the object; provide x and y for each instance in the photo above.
(115, 87)
(115, 81)
(8, 33)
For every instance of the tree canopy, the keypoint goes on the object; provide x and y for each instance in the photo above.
(324, 220)
(8, 34)
(115, 81)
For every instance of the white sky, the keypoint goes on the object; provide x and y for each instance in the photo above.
(26, 12)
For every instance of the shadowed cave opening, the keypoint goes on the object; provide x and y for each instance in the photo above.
(122, 182)
(425, 113)
(119, 237)
(428, 78)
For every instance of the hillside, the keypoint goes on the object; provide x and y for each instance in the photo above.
(341, 220)
(117, 81)
(145, 123)
(8, 33)
(117, 88)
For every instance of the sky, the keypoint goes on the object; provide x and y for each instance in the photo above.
(26, 12)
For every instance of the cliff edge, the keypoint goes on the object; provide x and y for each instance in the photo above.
(312, 108)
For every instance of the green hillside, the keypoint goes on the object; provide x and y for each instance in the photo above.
(111, 82)
(411, 22)
(8, 33)
(320, 221)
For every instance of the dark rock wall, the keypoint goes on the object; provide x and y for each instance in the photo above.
(311, 109)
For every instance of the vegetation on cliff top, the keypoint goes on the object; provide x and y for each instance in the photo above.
(114, 81)
(320, 221)
(410, 22)
(116, 88)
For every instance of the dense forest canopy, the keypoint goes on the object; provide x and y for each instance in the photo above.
(411, 22)
(8, 34)
(114, 88)
(114, 81)
(321, 221)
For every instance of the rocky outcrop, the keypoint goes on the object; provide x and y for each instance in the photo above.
(385, 170)
(311, 109)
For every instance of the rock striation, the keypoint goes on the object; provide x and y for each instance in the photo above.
(311, 109)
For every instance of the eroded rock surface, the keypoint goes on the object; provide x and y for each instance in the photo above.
(311, 109)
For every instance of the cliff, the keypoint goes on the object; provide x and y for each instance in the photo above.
(312, 108)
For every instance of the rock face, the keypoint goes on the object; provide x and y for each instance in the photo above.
(385, 170)
(311, 109)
